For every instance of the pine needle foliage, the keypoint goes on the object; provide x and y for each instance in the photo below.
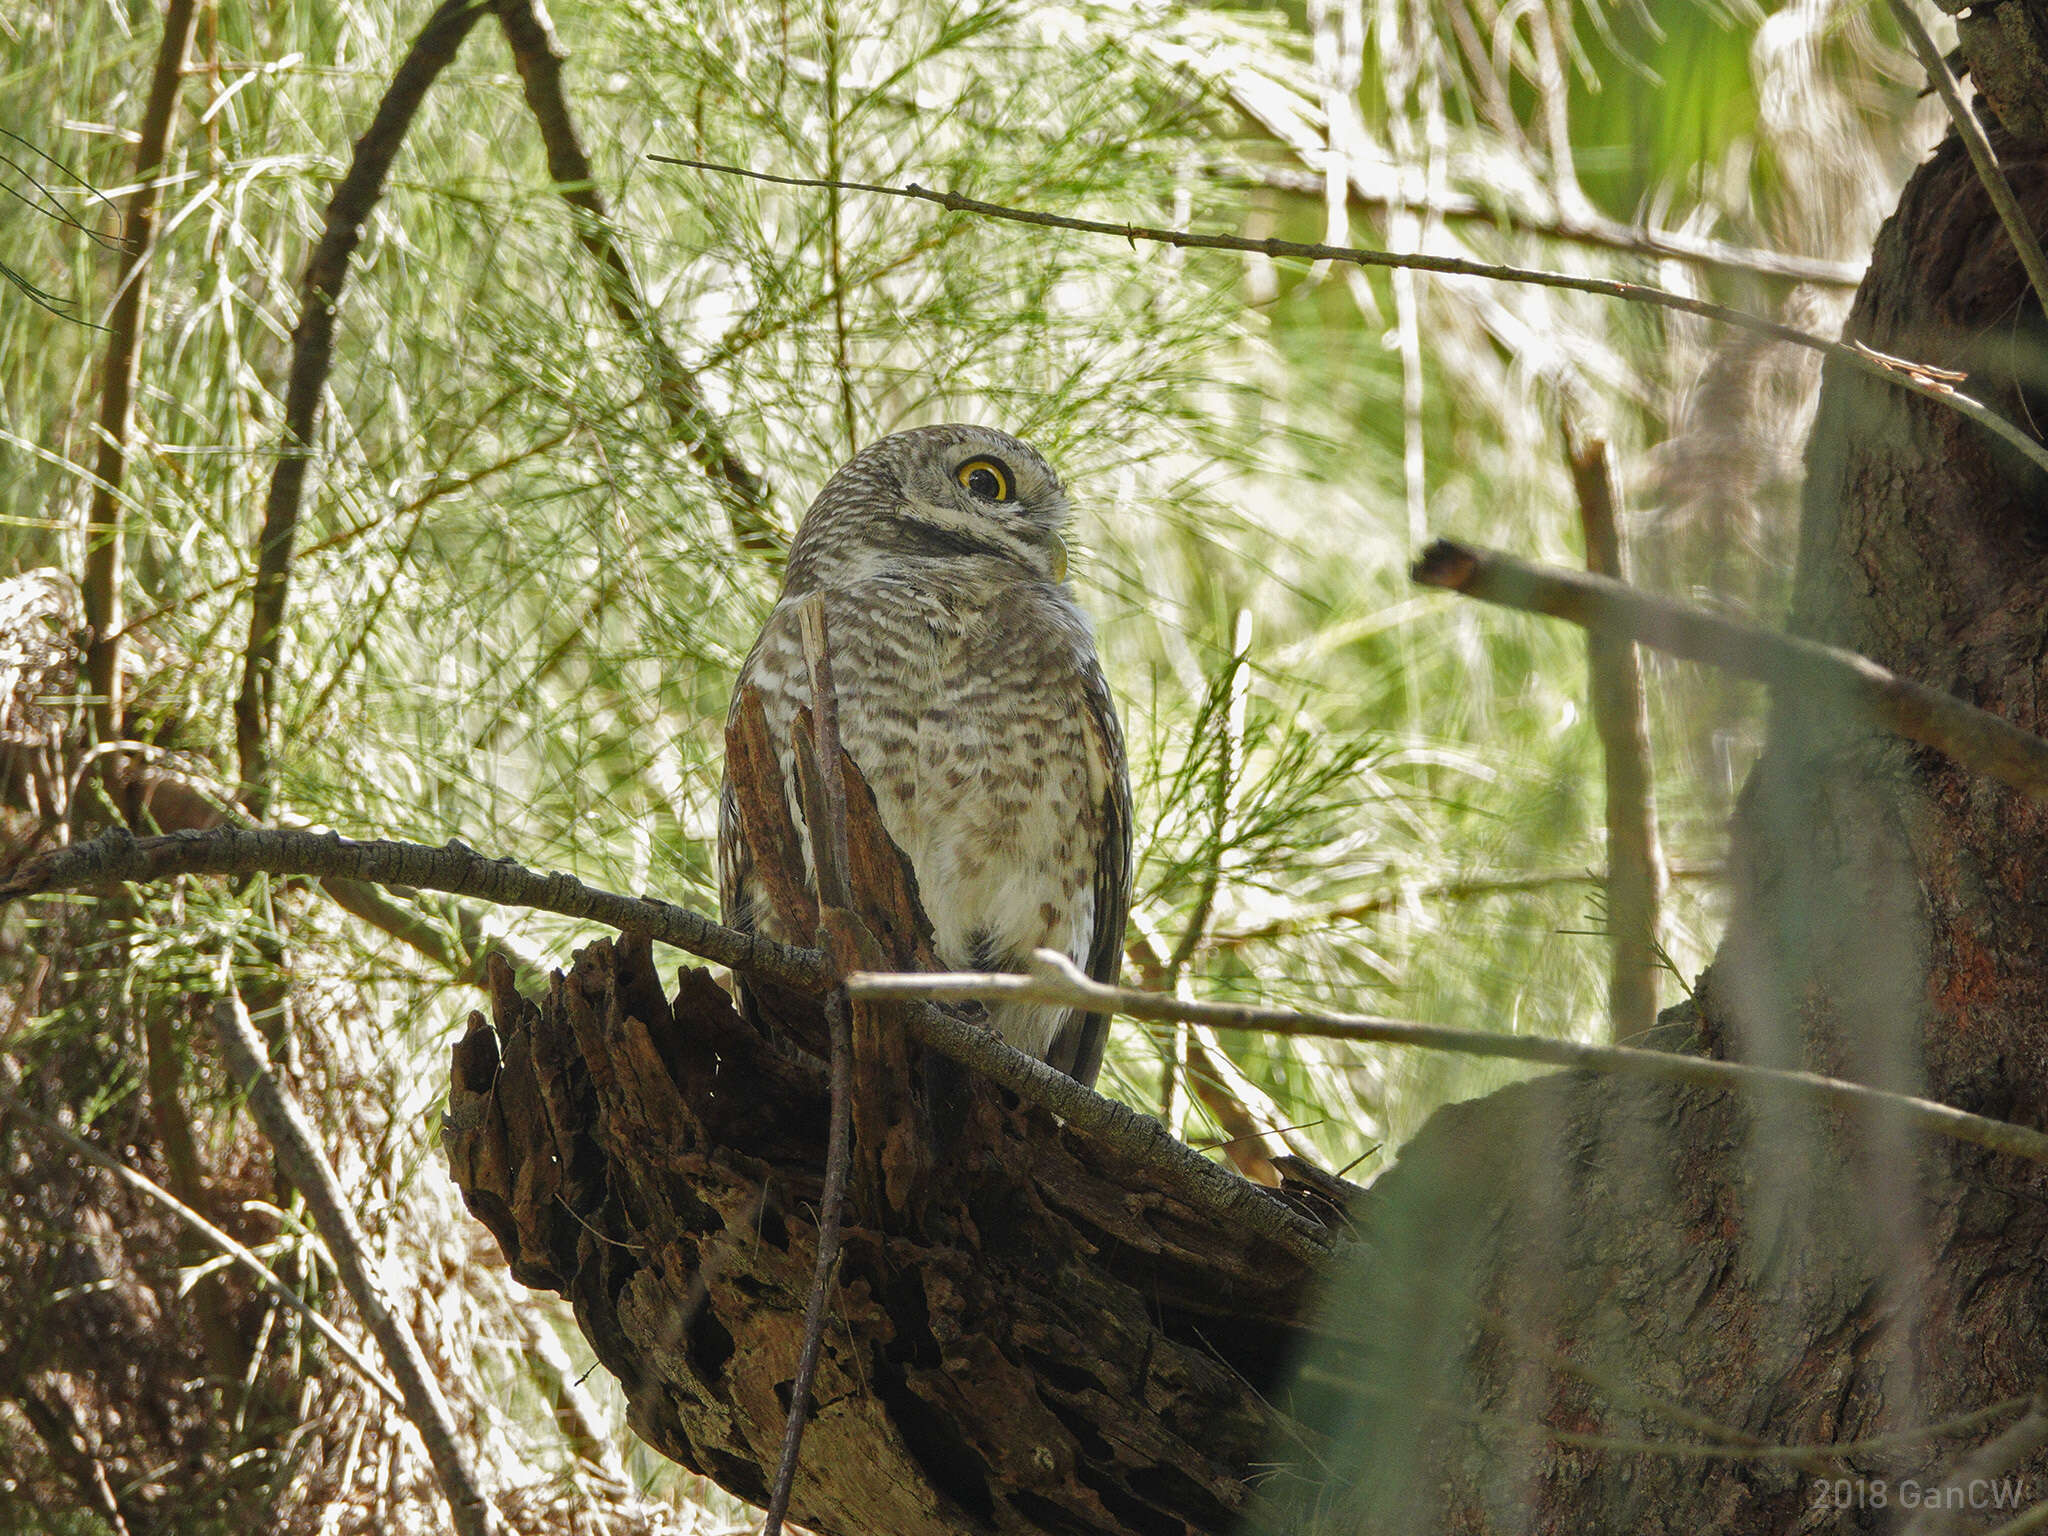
(517, 602)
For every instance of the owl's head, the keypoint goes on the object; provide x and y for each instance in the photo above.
(943, 495)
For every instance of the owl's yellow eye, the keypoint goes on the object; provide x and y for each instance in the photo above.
(985, 479)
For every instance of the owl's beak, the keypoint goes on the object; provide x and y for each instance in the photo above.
(1059, 558)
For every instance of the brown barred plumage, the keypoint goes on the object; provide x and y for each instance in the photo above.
(971, 699)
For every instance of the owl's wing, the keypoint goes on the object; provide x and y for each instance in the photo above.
(1078, 1049)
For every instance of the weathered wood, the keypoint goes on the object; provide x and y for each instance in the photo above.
(1055, 1343)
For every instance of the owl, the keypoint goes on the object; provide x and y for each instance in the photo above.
(972, 702)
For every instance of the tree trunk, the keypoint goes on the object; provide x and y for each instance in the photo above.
(1573, 1264)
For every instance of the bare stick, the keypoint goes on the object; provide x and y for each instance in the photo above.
(116, 856)
(101, 588)
(826, 815)
(1566, 228)
(1055, 979)
(1974, 737)
(312, 358)
(46, 1127)
(539, 55)
(1621, 714)
(1923, 379)
(1971, 132)
(299, 1155)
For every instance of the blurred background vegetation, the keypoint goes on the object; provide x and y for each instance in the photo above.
(517, 602)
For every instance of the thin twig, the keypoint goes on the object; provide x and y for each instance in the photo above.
(538, 52)
(1567, 229)
(299, 1156)
(1986, 1464)
(1974, 737)
(1971, 132)
(141, 1182)
(825, 815)
(1621, 715)
(117, 856)
(1055, 979)
(101, 587)
(312, 358)
(1923, 379)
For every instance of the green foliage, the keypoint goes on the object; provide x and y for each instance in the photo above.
(517, 603)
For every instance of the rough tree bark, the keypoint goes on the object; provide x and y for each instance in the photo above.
(1578, 1304)
(1573, 1264)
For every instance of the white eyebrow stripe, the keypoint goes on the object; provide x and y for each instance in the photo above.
(982, 531)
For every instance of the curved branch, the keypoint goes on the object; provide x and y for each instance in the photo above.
(312, 358)
(539, 55)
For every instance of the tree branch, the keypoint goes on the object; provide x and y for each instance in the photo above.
(101, 588)
(1635, 862)
(1054, 979)
(1937, 384)
(117, 855)
(1974, 737)
(538, 52)
(299, 1155)
(312, 358)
